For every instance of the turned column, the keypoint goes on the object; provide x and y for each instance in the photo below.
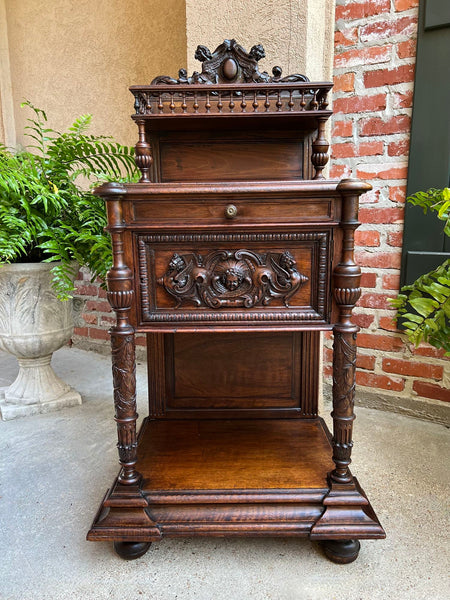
(320, 145)
(120, 297)
(143, 153)
(346, 290)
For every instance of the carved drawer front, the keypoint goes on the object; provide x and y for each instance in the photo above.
(227, 279)
(233, 212)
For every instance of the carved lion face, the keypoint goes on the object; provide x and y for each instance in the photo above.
(287, 261)
(177, 263)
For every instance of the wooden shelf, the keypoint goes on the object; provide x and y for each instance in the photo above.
(234, 454)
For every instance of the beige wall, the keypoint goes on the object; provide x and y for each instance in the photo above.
(297, 35)
(79, 56)
(72, 57)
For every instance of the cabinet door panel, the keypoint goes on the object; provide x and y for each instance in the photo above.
(230, 278)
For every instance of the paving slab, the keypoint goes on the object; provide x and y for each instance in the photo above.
(56, 467)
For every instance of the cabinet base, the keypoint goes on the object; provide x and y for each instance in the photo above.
(281, 488)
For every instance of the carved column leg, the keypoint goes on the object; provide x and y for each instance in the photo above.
(346, 280)
(348, 515)
(120, 296)
(123, 516)
(124, 381)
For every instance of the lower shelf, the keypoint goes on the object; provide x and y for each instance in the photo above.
(234, 454)
(234, 477)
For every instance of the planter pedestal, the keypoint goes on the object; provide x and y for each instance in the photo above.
(33, 324)
(36, 389)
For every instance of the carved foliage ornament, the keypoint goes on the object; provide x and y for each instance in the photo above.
(124, 376)
(344, 372)
(229, 63)
(232, 278)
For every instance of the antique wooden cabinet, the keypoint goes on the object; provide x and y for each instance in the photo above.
(232, 254)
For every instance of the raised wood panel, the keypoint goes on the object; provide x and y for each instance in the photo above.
(310, 350)
(232, 374)
(223, 279)
(228, 161)
(235, 371)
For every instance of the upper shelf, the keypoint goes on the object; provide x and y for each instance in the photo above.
(230, 84)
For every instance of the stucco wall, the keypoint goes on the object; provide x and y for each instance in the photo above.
(71, 57)
(297, 35)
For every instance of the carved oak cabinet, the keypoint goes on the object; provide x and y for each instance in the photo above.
(232, 254)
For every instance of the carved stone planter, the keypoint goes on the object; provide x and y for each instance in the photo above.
(33, 324)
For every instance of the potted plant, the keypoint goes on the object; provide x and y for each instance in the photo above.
(423, 308)
(50, 224)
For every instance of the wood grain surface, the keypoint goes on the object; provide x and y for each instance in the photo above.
(234, 454)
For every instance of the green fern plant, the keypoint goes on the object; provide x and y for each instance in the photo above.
(424, 306)
(47, 210)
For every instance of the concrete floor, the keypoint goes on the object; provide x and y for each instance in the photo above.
(56, 467)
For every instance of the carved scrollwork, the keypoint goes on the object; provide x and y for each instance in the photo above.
(238, 278)
(229, 63)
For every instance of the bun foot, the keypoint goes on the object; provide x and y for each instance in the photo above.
(341, 551)
(131, 550)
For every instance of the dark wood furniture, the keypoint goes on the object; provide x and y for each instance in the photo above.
(232, 254)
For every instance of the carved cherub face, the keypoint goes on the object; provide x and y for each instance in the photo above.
(232, 279)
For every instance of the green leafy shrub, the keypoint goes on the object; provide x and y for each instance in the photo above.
(47, 211)
(424, 306)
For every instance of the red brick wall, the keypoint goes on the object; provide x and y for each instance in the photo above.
(375, 46)
(374, 73)
(95, 317)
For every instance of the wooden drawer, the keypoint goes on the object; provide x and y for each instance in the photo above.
(233, 279)
(232, 212)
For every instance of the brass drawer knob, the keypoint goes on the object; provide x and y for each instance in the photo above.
(231, 211)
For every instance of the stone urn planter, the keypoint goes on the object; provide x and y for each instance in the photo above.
(33, 324)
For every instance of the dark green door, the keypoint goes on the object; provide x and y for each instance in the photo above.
(424, 244)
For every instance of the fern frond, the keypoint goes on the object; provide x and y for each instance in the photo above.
(424, 308)
(44, 207)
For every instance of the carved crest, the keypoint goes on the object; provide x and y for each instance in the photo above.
(238, 278)
(229, 63)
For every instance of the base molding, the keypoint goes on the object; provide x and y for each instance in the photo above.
(341, 513)
(348, 514)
